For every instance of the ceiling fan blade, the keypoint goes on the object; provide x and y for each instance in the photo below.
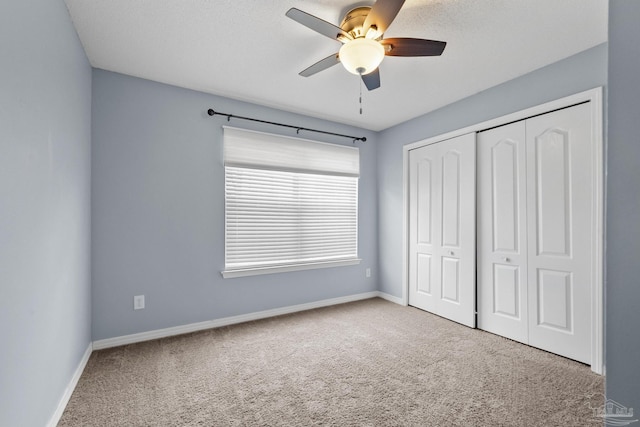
(321, 65)
(382, 14)
(412, 47)
(316, 24)
(372, 80)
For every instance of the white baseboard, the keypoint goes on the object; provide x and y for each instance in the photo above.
(391, 298)
(194, 327)
(68, 391)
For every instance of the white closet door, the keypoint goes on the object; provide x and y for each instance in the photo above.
(560, 200)
(442, 229)
(502, 232)
(424, 214)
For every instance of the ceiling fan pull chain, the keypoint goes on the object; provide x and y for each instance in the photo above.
(360, 94)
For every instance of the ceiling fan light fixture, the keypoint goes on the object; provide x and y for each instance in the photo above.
(361, 56)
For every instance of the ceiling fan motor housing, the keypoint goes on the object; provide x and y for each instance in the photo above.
(353, 21)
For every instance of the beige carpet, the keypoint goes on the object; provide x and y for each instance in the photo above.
(368, 363)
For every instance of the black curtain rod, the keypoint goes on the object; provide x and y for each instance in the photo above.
(297, 128)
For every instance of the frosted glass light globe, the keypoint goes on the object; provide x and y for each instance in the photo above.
(361, 56)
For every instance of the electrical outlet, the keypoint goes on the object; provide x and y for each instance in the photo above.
(367, 272)
(138, 302)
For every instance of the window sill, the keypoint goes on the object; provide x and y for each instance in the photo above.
(229, 274)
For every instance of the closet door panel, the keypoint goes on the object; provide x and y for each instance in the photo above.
(554, 296)
(506, 291)
(442, 229)
(502, 251)
(451, 199)
(560, 198)
(450, 228)
(504, 181)
(451, 280)
(551, 175)
(424, 208)
(423, 275)
(458, 248)
(423, 195)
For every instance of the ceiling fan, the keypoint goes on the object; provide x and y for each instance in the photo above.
(363, 48)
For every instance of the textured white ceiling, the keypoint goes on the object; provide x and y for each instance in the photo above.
(249, 50)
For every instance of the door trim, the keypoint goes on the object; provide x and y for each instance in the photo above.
(594, 97)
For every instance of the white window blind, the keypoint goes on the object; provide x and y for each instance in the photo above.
(289, 203)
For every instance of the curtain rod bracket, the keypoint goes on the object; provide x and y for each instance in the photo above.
(212, 112)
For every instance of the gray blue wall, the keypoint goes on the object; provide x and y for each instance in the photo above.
(45, 118)
(580, 72)
(623, 206)
(158, 211)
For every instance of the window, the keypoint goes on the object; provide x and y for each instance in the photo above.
(290, 204)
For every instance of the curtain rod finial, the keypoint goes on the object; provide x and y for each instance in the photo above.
(211, 112)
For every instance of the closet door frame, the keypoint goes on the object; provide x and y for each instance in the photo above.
(594, 97)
